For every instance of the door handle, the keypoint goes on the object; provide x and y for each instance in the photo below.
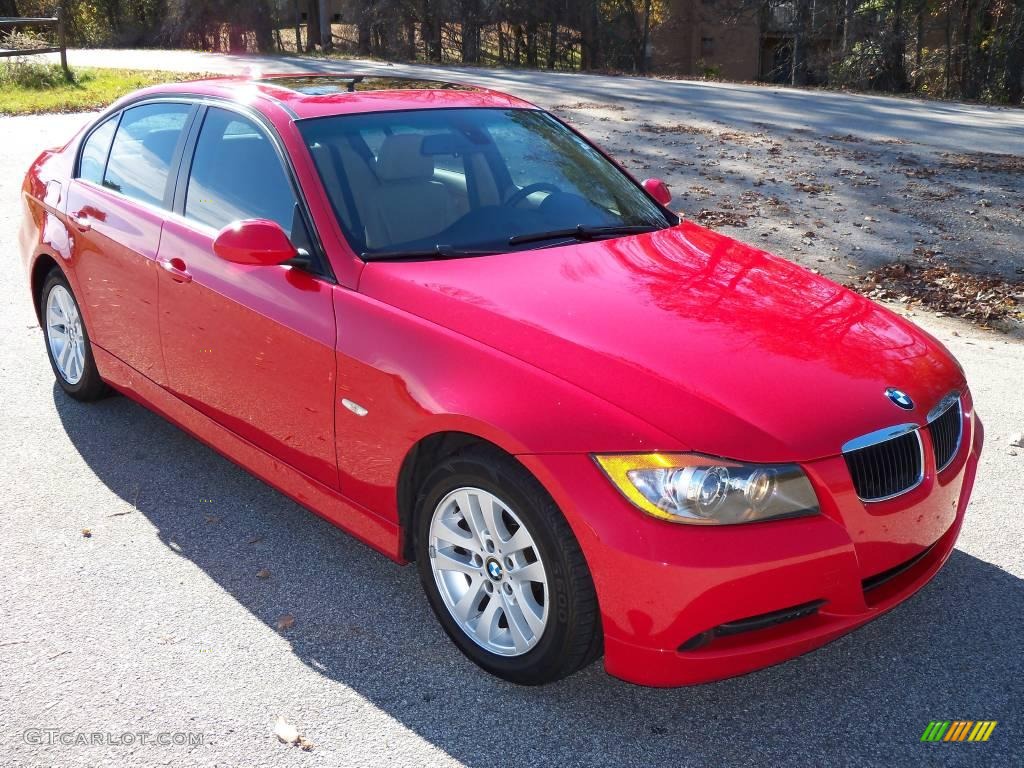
(81, 222)
(178, 271)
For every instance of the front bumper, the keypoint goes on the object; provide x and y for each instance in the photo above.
(663, 588)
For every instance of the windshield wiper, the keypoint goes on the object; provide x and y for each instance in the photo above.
(580, 232)
(437, 252)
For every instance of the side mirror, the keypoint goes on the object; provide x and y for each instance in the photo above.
(258, 242)
(658, 189)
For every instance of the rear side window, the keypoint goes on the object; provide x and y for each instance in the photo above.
(143, 148)
(94, 153)
(237, 174)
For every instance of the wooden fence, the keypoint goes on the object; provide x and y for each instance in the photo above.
(57, 22)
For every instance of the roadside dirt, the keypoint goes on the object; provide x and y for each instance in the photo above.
(898, 221)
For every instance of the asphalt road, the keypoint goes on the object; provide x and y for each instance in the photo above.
(158, 623)
(947, 126)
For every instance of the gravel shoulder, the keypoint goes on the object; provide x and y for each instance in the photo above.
(158, 622)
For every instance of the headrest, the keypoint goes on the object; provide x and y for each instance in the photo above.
(400, 158)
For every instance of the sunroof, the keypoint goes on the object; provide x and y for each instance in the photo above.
(322, 85)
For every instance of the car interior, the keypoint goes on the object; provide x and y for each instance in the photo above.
(412, 187)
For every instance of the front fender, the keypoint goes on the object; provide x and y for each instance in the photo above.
(415, 378)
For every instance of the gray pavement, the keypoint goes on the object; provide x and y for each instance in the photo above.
(157, 622)
(942, 125)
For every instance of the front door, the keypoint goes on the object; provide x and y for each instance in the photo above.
(250, 347)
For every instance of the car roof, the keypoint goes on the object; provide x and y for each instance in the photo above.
(312, 95)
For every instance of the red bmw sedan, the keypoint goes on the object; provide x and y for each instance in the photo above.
(441, 319)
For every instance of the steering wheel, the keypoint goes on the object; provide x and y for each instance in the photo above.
(517, 197)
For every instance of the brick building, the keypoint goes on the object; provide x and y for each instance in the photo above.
(712, 37)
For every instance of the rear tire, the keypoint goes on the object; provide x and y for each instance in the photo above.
(507, 579)
(67, 340)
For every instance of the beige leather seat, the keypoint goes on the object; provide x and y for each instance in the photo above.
(360, 178)
(408, 204)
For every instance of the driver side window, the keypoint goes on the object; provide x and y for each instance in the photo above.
(237, 174)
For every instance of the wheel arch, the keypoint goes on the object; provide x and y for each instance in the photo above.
(41, 267)
(425, 454)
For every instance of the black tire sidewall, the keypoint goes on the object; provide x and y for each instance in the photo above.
(544, 661)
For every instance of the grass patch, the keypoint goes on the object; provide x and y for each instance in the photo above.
(28, 87)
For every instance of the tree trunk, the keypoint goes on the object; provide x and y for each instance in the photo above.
(531, 43)
(847, 18)
(236, 43)
(590, 36)
(326, 34)
(263, 22)
(897, 74)
(312, 24)
(364, 37)
(967, 81)
(469, 16)
(1014, 66)
(801, 36)
(645, 38)
(553, 43)
(949, 54)
(919, 44)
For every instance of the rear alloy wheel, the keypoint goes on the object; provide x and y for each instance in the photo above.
(67, 341)
(503, 571)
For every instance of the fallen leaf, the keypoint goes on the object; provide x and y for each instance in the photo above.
(262, 573)
(254, 540)
(87, 532)
(286, 732)
(285, 622)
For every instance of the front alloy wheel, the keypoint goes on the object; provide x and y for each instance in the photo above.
(488, 571)
(502, 569)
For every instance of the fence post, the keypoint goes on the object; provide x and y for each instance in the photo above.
(63, 42)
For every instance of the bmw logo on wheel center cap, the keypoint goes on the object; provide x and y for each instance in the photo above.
(494, 569)
(899, 398)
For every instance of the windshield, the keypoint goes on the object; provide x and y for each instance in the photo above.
(448, 182)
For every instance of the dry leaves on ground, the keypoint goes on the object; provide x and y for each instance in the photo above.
(288, 734)
(984, 161)
(285, 622)
(985, 299)
(709, 218)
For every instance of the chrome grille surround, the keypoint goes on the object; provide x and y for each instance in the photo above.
(886, 463)
(946, 428)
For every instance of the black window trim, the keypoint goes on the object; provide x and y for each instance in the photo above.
(116, 118)
(322, 267)
(164, 205)
(186, 149)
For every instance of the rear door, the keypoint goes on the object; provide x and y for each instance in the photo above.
(250, 347)
(116, 209)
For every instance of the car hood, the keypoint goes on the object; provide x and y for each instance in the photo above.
(731, 350)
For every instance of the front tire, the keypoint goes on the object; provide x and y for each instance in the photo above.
(503, 571)
(67, 341)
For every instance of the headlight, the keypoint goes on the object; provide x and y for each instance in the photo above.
(689, 488)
